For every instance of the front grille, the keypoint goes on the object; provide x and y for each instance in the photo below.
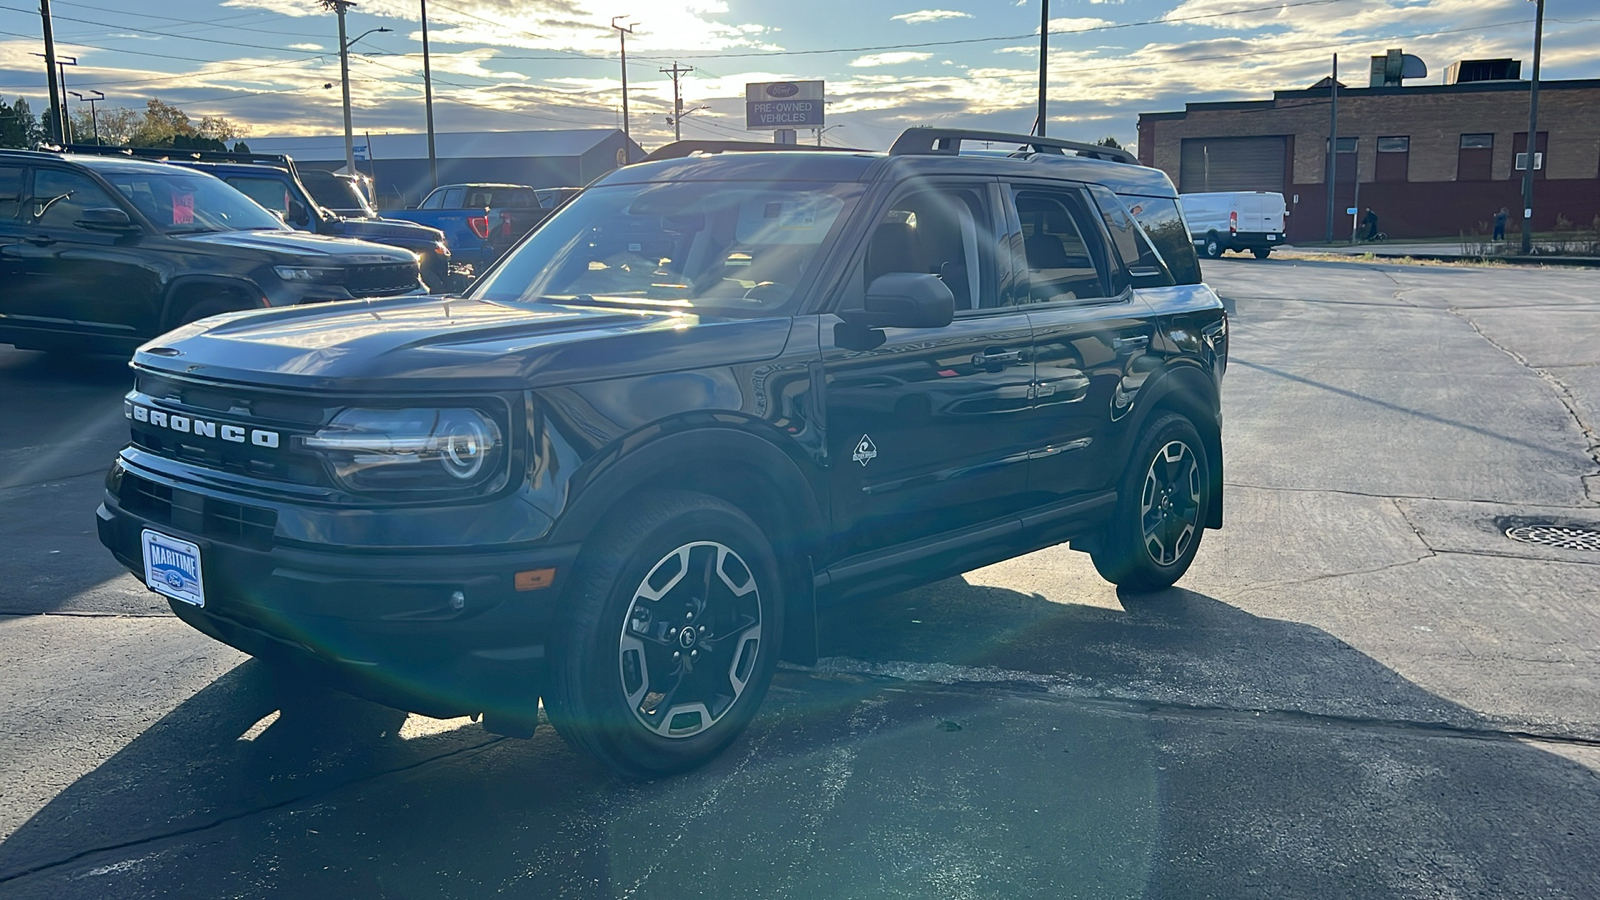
(221, 520)
(284, 415)
(381, 280)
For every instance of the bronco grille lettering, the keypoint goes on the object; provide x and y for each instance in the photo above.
(234, 434)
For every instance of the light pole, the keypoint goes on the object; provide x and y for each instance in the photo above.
(92, 117)
(427, 100)
(339, 7)
(1044, 51)
(824, 130)
(56, 100)
(64, 128)
(1533, 131)
(622, 34)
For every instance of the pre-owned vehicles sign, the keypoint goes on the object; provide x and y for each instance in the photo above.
(783, 104)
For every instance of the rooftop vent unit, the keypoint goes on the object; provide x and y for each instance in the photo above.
(1483, 70)
(1392, 68)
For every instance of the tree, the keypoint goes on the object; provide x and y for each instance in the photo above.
(19, 128)
(164, 126)
(1109, 141)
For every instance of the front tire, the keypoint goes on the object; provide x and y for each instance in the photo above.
(671, 638)
(1162, 501)
(1213, 246)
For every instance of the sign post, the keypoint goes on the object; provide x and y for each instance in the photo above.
(782, 107)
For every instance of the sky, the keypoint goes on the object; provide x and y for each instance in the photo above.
(510, 65)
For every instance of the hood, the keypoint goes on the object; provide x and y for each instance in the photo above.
(382, 230)
(303, 246)
(433, 344)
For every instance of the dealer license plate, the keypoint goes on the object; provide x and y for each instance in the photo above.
(1272, 237)
(172, 567)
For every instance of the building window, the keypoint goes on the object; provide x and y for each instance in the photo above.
(1347, 145)
(1394, 159)
(1475, 159)
(1519, 155)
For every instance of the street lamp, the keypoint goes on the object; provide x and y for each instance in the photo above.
(92, 116)
(339, 7)
(627, 135)
(61, 66)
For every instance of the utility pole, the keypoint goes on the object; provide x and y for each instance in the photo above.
(1333, 142)
(339, 7)
(427, 101)
(58, 111)
(1044, 52)
(677, 98)
(1533, 131)
(92, 117)
(627, 132)
(62, 123)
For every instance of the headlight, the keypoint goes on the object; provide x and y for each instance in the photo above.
(309, 273)
(410, 449)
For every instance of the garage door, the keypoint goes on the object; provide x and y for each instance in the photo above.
(1232, 164)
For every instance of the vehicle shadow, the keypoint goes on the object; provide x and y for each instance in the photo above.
(1178, 747)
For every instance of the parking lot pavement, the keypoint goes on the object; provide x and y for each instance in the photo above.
(1362, 688)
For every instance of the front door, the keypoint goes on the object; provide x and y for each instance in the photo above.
(922, 423)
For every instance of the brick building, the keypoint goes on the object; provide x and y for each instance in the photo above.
(1431, 160)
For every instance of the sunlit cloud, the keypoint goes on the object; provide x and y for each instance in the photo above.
(929, 15)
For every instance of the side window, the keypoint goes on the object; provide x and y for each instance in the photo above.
(269, 192)
(1161, 221)
(1060, 244)
(452, 199)
(60, 197)
(1131, 245)
(10, 193)
(434, 200)
(943, 231)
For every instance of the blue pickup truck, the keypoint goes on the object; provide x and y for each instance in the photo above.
(482, 221)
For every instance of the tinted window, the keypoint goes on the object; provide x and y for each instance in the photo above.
(1131, 245)
(10, 192)
(60, 197)
(1056, 241)
(269, 192)
(452, 199)
(946, 232)
(1161, 221)
(434, 200)
(192, 202)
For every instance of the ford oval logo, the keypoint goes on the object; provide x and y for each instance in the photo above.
(782, 89)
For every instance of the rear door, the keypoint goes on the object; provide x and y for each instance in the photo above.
(924, 423)
(1091, 337)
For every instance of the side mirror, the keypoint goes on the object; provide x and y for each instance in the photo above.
(106, 218)
(904, 300)
(298, 215)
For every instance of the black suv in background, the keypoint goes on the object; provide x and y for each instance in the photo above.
(102, 253)
(711, 391)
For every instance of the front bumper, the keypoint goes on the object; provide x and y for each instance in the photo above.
(379, 625)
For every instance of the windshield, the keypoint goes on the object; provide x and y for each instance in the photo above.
(743, 248)
(188, 202)
(333, 192)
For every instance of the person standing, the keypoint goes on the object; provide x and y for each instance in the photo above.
(1500, 223)
(1370, 223)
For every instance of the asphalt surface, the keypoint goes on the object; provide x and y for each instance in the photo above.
(1362, 689)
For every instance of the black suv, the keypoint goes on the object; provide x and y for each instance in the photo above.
(713, 390)
(103, 253)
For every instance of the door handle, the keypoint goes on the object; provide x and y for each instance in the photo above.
(40, 239)
(1130, 344)
(997, 358)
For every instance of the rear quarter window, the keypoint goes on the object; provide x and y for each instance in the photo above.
(1161, 220)
(10, 192)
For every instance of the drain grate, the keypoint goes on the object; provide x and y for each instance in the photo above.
(1567, 537)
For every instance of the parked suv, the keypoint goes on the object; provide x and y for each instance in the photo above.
(710, 392)
(102, 253)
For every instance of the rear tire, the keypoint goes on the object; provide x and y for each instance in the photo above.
(1213, 246)
(1162, 501)
(674, 624)
(1262, 252)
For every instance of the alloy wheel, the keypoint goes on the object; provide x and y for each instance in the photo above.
(1169, 503)
(690, 639)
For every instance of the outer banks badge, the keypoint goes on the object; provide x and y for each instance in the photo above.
(866, 450)
(172, 567)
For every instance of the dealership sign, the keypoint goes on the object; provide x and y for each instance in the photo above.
(783, 104)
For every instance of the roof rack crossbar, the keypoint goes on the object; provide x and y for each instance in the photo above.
(683, 149)
(924, 140)
(162, 154)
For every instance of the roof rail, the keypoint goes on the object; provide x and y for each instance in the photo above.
(924, 140)
(181, 154)
(682, 149)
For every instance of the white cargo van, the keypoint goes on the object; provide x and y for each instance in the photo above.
(1234, 220)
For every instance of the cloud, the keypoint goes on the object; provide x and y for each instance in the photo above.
(929, 15)
(1081, 24)
(307, 47)
(898, 57)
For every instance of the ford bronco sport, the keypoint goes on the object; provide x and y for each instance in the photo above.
(715, 389)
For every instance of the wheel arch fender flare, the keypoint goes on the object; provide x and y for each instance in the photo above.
(183, 285)
(1186, 389)
(728, 458)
